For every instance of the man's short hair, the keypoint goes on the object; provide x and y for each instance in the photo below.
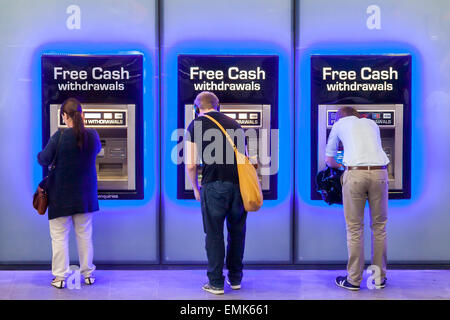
(206, 100)
(347, 112)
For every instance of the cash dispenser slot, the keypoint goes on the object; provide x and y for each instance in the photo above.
(110, 169)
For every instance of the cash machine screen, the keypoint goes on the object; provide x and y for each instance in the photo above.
(101, 118)
(246, 118)
(382, 118)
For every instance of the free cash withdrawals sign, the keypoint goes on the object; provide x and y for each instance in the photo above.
(235, 79)
(97, 79)
(361, 79)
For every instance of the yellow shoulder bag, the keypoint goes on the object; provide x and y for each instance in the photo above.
(251, 193)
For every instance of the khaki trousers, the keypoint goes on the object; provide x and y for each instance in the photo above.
(357, 187)
(59, 232)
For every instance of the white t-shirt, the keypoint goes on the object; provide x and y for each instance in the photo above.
(361, 140)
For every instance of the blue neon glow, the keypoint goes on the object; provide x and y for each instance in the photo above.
(284, 116)
(275, 215)
(304, 113)
(150, 113)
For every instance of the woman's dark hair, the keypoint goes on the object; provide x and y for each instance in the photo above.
(72, 107)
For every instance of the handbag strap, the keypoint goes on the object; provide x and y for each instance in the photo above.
(52, 165)
(224, 132)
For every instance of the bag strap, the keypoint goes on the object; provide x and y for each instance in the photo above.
(223, 130)
(52, 165)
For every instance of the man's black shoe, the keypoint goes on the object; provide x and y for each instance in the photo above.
(343, 283)
(211, 289)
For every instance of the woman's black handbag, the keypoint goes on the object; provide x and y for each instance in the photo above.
(40, 197)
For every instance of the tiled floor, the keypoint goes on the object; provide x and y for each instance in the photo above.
(257, 285)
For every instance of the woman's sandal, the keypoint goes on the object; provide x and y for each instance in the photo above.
(89, 280)
(58, 284)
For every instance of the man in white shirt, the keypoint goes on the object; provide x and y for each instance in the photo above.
(365, 178)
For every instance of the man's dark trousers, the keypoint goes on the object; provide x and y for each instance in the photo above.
(222, 200)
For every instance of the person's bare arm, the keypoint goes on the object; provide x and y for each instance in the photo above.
(332, 147)
(191, 167)
(331, 162)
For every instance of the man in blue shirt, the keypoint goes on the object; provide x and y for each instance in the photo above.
(365, 177)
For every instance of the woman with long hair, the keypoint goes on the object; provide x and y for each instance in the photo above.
(72, 191)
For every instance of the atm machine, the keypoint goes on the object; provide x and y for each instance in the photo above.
(389, 118)
(249, 116)
(116, 162)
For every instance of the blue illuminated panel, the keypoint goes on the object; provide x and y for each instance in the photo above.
(254, 27)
